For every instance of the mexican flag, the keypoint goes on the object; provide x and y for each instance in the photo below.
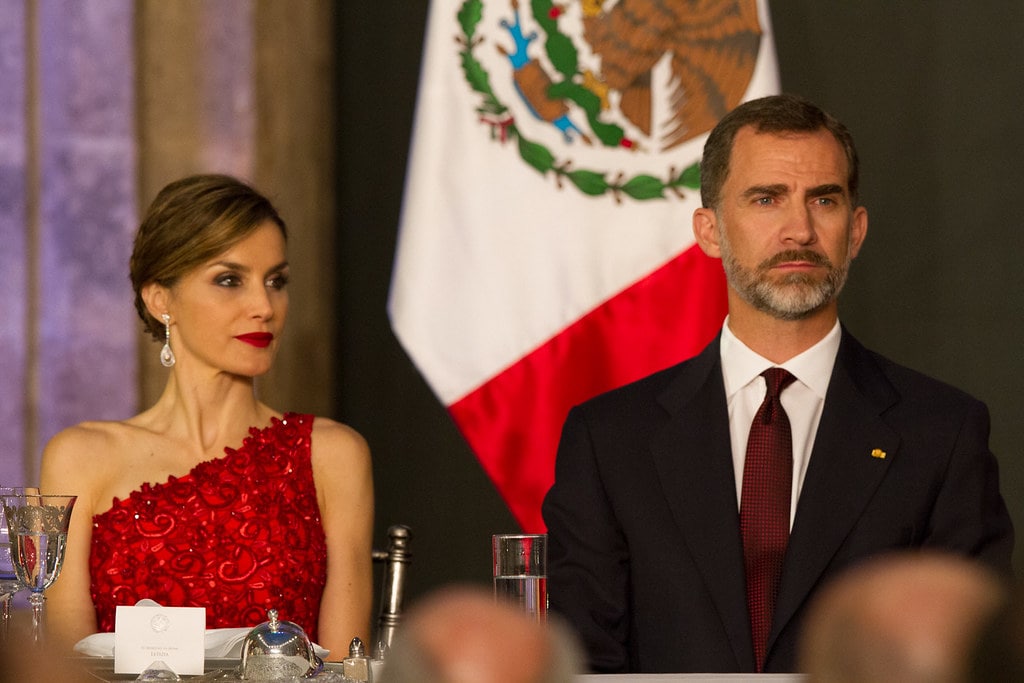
(545, 251)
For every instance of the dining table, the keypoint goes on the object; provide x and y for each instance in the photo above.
(104, 671)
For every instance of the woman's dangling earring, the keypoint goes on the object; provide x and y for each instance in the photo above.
(166, 355)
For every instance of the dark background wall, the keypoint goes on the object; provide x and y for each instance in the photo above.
(931, 91)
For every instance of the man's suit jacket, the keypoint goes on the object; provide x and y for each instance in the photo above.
(645, 556)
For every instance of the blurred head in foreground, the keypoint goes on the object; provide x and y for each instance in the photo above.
(460, 635)
(22, 660)
(904, 618)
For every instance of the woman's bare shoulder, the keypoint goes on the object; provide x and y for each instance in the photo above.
(94, 434)
(338, 450)
(86, 452)
(98, 443)
(336, 437)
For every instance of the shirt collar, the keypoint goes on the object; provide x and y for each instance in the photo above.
(813, 367)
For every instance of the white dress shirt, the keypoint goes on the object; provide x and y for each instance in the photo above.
(803, 399)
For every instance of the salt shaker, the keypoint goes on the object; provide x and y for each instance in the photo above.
(377, 662)
(356, 666)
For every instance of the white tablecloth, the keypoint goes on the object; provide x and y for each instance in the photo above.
(104, 672)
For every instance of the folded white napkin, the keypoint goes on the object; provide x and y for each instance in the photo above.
(220, 643)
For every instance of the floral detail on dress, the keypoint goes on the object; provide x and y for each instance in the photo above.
(237, 535)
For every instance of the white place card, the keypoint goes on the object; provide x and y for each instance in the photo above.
(147, 634)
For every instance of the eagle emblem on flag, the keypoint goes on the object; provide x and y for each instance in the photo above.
(576, 84)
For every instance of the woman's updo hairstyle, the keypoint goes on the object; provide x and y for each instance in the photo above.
(190, 222)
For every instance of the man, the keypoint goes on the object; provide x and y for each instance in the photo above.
(674, 549)
(461, 635)
(901, 618)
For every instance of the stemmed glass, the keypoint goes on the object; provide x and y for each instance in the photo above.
(9, 584)
(38, 527)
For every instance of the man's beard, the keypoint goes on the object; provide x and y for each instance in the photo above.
(797, 295)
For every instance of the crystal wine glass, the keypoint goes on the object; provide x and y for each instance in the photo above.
(38, 527)
(9, 584)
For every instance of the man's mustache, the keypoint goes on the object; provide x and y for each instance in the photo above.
(796, 255)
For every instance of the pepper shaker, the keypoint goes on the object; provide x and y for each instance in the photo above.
(356, 666)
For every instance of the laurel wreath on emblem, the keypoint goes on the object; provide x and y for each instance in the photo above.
(563, 55)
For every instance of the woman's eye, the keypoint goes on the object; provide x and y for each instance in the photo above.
(227, 281)
(277, 281)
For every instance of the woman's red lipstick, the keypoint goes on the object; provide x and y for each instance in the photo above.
(258, 339)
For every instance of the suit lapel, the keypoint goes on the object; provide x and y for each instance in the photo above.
(841, 461)
(693, 456)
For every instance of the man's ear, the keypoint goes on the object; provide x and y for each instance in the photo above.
(155, 296)
(705, 230)
(858, 230)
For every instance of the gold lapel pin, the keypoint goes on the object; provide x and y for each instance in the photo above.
(878, 453)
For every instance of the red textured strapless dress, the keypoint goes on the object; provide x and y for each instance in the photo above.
(237, 535)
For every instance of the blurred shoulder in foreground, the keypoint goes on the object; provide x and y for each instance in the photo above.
(906, 618)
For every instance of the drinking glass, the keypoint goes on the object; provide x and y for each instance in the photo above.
(9, 584)
(520, 572)
(38, 527)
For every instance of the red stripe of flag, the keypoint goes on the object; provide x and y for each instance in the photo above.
(513, 422)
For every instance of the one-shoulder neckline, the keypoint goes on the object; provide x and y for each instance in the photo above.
(229, 452)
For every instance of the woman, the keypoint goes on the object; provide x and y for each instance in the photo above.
(212, 498)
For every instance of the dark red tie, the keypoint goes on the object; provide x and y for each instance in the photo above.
(764, 506)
